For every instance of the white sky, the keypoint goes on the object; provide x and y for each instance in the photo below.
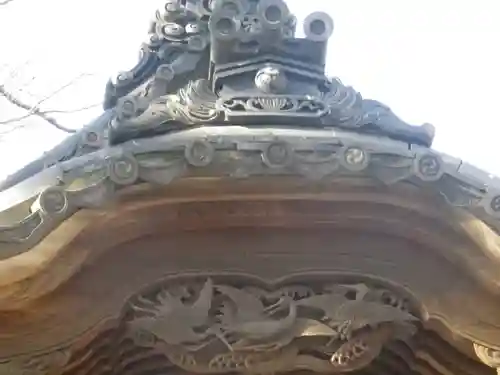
(431, 61)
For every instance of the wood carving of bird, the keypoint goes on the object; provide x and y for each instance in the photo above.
(174, 321)
(252, 321)
(350, 315)
(362, 314)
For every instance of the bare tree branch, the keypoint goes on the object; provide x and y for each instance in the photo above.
(63, 87)
(35, 110)
(5, 2)
(75, 110)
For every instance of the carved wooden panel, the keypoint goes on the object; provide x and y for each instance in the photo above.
(99, 289)
(242, 324)
(234, 326)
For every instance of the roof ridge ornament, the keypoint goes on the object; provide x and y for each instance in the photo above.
(238, 62)
(237, 114)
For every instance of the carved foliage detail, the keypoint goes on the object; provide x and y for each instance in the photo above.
(212, 327)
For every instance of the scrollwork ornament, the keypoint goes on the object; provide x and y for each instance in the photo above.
(23, 230)
(277, 155)
(354, 158)
(429, 167)
(492, 204)
(53, 201)
(170, 30)
(344, 105)
(271, 79)
(495, 204)
(199, 153)
(123, 170)
(93, 138)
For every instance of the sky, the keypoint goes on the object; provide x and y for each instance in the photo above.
(430, 61)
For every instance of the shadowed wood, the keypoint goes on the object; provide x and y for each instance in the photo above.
(151, 234)
(132, 220)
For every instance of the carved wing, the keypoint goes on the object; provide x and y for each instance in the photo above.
(173, 331)
(362, 314)
(202, 305)
(173, 321)
(269, 327)
(310, 327)
(248, 306)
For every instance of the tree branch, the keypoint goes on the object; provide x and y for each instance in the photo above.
(5, 2)
(34, 110)
(63, 87)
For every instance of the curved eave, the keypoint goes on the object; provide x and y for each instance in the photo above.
(41, 214)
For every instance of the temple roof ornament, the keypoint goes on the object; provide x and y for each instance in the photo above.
(231, 74)
(240, 63)
(225, 93)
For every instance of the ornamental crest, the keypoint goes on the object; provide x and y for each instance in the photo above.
(239, 62)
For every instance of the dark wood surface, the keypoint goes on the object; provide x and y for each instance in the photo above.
(361, 233)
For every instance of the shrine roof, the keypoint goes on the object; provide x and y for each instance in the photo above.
(224, 89)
